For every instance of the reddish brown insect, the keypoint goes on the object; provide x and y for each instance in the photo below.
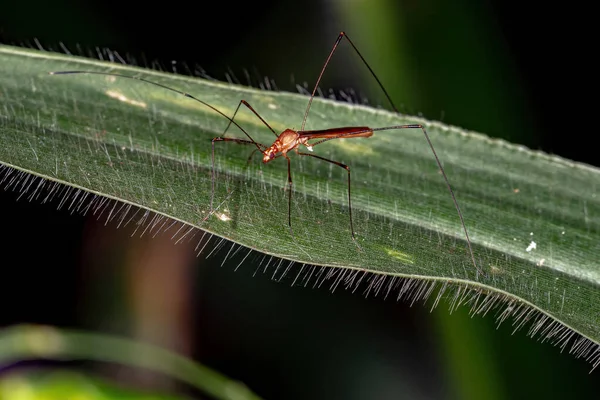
(290, 139)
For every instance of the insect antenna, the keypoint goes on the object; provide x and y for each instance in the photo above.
(231, 121)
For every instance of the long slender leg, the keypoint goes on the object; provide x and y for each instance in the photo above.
(290, 192)
(439, 164)
(222, 139)
(232, 118)
(244, 102)
(437, 160)
(347, 168)
(337, 42)
(341, 36)
(250, 157)
(259, 147)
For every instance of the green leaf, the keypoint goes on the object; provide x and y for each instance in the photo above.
(26, 342)
(60, 385)
(533, 218)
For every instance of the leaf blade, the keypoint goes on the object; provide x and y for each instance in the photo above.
(146, 147)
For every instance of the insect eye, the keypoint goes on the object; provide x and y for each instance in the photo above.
(271, 156)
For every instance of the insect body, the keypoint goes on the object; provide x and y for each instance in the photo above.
(290, 139)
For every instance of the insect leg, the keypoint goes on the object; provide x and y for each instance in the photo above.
(341, 36)
(244, 102)
(290, 192)
(347, 168)
(235, 140)
(437, 160)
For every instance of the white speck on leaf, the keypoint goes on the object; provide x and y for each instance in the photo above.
(541, 262)
(224, 217)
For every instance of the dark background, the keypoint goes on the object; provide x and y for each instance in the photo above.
(496, 67)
